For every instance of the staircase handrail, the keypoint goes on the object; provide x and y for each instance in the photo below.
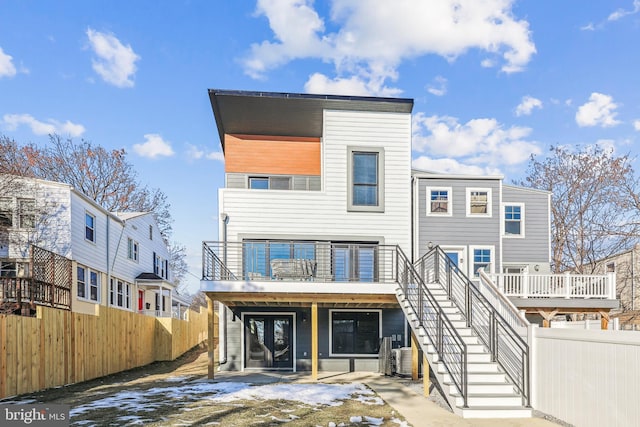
(489, 333)
(514, 316)
(425, 299)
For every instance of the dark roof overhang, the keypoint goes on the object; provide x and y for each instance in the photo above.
(288, 114)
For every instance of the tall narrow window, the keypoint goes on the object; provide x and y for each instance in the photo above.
(26, 213)
(132, 249)
(513, 220)
(81, 282)
(366, 180)
(90, 227)
(6, 212)
(151, 232)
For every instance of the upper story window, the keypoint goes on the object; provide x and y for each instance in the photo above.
(514, 220)
(270, 182)
(6, 212)
(160, 266)
(366, 180)
(132, 249)
(479, 202)
(90, 227)
(26, 213)
(151, 232)
(611, 267)
(439, 201)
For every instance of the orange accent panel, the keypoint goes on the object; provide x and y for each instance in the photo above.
(271, 155)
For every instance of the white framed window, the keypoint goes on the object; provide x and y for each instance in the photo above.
(354, 332)
(120, 293)
(88, 284)
(513, 216)
(481, 257)
(90, 227)
(133, 249)
(479, 202)
(6, 212)
(26, 213)
(270, 182)
(439, 201)
(160, 266)
(365, 179)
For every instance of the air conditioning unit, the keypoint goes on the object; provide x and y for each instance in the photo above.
(402, 360)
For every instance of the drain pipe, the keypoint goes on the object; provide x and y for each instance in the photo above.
(222, 330)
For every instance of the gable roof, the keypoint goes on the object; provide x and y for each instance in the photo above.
(288, 114)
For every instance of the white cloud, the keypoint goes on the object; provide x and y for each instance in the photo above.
(354, 85)
(527, 105)
(12, 121)
(115, 62)
(374, 37)
(451, 166)
(154, 147)
(600, 110)
(636, 124)
(7, 69)
(438, 87)
(621, 13)
(478, 142)
(196, 153)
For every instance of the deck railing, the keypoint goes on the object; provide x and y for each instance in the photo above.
(270, 260)
(26, 290)
(568, 286)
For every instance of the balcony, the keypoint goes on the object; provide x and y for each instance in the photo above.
(304, 267)
(565, 286)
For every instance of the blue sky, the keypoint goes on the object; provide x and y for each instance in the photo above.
(493, 81)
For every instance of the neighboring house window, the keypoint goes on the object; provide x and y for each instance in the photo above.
(26, 213)
(120, 293)
(439, 201)
(366, 180)
(478, 202)
(611, 267)
(355, 332)
(6, 212)
(514, 220)
(151, 232)
(163, 301)
(132, 249)
(270, 182)
(90, 227)
(8, 269)
(482, 258)
(160, 266)
(88, 284)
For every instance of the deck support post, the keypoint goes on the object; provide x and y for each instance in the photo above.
(546, 316)
(210, 339)
(415, 359)
(314, 341)
(604, 320)
(426, 384)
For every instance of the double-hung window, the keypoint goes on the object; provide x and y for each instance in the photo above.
(90, 227)
(88, 283)
(479, 202)
(6, 212)
(120, 293)
(482, 259)
(26, 213)
(439, 201)
(132, 249)
(514, 220)
(366, 180)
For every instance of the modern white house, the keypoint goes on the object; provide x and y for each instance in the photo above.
(101, 258)
(329, 242)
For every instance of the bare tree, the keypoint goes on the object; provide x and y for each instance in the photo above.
(592, 210)
(178, 266)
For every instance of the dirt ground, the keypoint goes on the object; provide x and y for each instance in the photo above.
(172, 394)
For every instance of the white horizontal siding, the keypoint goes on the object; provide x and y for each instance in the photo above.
(534, 247)
(323, 214)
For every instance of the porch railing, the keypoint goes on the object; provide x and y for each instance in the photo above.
(317, 261)
(568, 286)
(26, 290)
(506, 345)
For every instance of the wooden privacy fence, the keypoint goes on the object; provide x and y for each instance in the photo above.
(60, 347)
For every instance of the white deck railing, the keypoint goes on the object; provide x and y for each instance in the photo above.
(568, 286)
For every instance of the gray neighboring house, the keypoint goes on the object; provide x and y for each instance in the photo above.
(480, 222)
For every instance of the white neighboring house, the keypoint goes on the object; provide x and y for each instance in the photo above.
(118, 259)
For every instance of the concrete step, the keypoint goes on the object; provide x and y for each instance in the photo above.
(489, 399)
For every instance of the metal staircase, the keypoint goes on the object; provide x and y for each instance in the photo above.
(480, 359)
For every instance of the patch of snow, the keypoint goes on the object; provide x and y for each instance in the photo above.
(374, 421)
(400, 423)
(355, 419)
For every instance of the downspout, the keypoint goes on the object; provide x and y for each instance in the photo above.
(222, 331)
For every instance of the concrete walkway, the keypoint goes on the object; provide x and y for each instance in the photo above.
(413, 406)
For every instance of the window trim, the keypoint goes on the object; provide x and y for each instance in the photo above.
(503, 214)
(331, 311)
(449, 191)
(472, 260)
(86, 227)
(133, 250)
(87, 285)
(489, 202)
(379, 151)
